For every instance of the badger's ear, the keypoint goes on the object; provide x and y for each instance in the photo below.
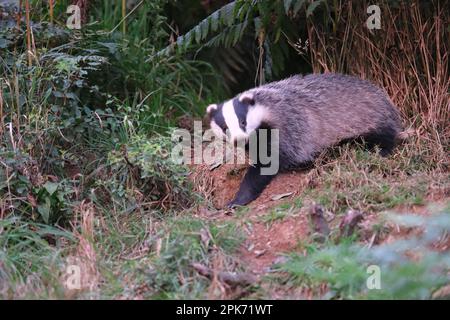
(247, 98)
(211, 108)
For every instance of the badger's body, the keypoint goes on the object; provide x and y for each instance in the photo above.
(311, 113)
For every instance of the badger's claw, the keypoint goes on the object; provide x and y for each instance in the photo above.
(251, 187)
(234, 204)
(230, 205)
(242, 198)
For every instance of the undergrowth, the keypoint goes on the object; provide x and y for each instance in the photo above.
(411, 268)
(86, 178)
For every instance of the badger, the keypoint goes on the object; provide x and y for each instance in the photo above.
(311, 113)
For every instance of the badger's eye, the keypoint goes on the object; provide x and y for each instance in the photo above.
(243, 123)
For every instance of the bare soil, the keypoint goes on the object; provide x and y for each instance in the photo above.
(266, 243)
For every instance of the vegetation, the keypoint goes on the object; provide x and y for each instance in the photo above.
(341, 270)
(86, 177)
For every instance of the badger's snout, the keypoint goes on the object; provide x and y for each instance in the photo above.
(240, 137)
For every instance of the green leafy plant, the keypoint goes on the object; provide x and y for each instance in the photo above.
(143, 172)
(409, 269)
(271, 22)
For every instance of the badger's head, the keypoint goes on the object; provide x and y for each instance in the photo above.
(237, 118)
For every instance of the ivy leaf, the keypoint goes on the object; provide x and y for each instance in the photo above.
(51, 187)
(44, 210)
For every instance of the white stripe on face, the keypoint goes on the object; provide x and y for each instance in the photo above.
(255, 117)
(232, 122)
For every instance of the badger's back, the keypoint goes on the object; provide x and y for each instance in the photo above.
(319, 110)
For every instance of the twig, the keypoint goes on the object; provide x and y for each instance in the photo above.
(124, 14)
(349, 223)
(27, 15)
(230, 278)
(318, 222)
(50, 4)
(130, 13)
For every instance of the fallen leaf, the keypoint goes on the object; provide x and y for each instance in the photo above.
(215, 165)
(281, 196)
(205, 237)
(32, 200)
(259, 253)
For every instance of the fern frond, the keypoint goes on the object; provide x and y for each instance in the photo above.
(228, 37)
(214, 20)
(232, 17)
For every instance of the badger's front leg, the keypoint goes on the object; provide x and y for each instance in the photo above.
(251, 186)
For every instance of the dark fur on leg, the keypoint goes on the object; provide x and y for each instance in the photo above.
(251, 186)
(384, 138)
(254, 182)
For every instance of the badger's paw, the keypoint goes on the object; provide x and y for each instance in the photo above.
(241, 200)
(233, 205)
(251, 187)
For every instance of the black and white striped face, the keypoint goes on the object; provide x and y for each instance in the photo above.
(235, 119)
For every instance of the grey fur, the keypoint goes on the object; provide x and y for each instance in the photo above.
(319, 110)
(311, 113)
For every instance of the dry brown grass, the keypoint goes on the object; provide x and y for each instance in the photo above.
(408, 57)
(203, 182)
(85, 256)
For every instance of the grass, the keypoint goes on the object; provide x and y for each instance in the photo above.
(352, 178)
(149, 254)
(336, 271)
(415, 73)
(153, 260)
(274, 215)
(32, 259)
(119, 256)
(278, 213)
(85, 180)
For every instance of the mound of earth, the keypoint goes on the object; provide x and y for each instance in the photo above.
(265, 242)
(227, 178)
(268, 239)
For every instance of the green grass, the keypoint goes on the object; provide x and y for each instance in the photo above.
(85, 179)
(136, 256)
(340, 270)
(277, 214)
(281, 211)
(32, 259)
(354, 178)
(149, 258)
